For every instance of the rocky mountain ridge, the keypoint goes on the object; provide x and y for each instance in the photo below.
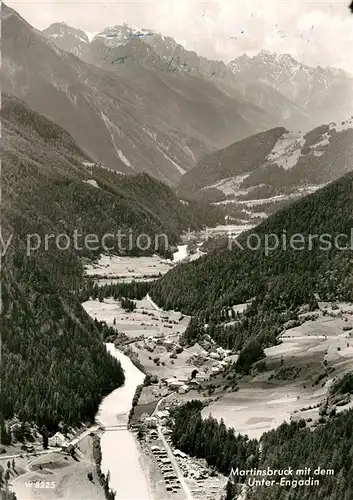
(296, 94)
(130, 118)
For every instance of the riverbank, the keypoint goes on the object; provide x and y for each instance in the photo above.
(120, 454)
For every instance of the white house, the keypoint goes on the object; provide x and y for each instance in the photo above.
(202, 376)
(151, 422)
(162, 414)
(183, 389)
(174, 383)
(179, 453)
(57, 440)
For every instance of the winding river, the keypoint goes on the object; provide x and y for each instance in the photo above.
(120, 454)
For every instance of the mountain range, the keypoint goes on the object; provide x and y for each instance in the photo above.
(276, 278)
(145, 103)
(129, 117)
(51, 185)
(296, 94)
(314, 89)
(96, 136)
(258, 174)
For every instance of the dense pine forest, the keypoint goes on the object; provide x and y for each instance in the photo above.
(46, 191)
(55, 369)
(210, 439)
(329, 446)
(131, 290)
(277, 283)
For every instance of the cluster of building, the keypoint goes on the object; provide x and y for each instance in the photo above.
(183, 384)
(60, 441)
(197, 473)
(180, 384)
(151, 422)
(171, 480)
(160, 340)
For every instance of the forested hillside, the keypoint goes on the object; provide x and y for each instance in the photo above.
(55, 368)
(329, 446)
(49, 190)
(210, 439)
(54, 365)
(278, 281)
(237, 159)
(278, 162)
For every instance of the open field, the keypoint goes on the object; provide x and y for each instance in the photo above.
(172, 367)
(60, 476)
(294, 384)
(128, 268)
(270, 398)
(147, 322)
(144, 320)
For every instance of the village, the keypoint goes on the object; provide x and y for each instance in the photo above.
(180, 373)
(205, 364)
(176, 474)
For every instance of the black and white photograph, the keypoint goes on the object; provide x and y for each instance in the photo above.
(176, 250)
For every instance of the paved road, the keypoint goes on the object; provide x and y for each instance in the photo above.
(160, 401)
(25, 453)
(175, 464)
(29, 471)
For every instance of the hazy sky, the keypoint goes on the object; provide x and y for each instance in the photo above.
(318, 32)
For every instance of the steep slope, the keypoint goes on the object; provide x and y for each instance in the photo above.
(132, 55)
(49, 181)
(313, 89)
(273, 164)
(67, 38)
(54, 367)
(139, 121)
(166, 54)
(299, 96)
(56, 83)
(289, 114)
(293, 94)
(279, 274)
(235, 160)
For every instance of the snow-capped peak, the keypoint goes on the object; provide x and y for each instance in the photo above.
(60, 30)
(67, 38)
(120, 34)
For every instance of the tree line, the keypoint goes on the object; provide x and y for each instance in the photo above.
(276, 283)
(294, 444)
